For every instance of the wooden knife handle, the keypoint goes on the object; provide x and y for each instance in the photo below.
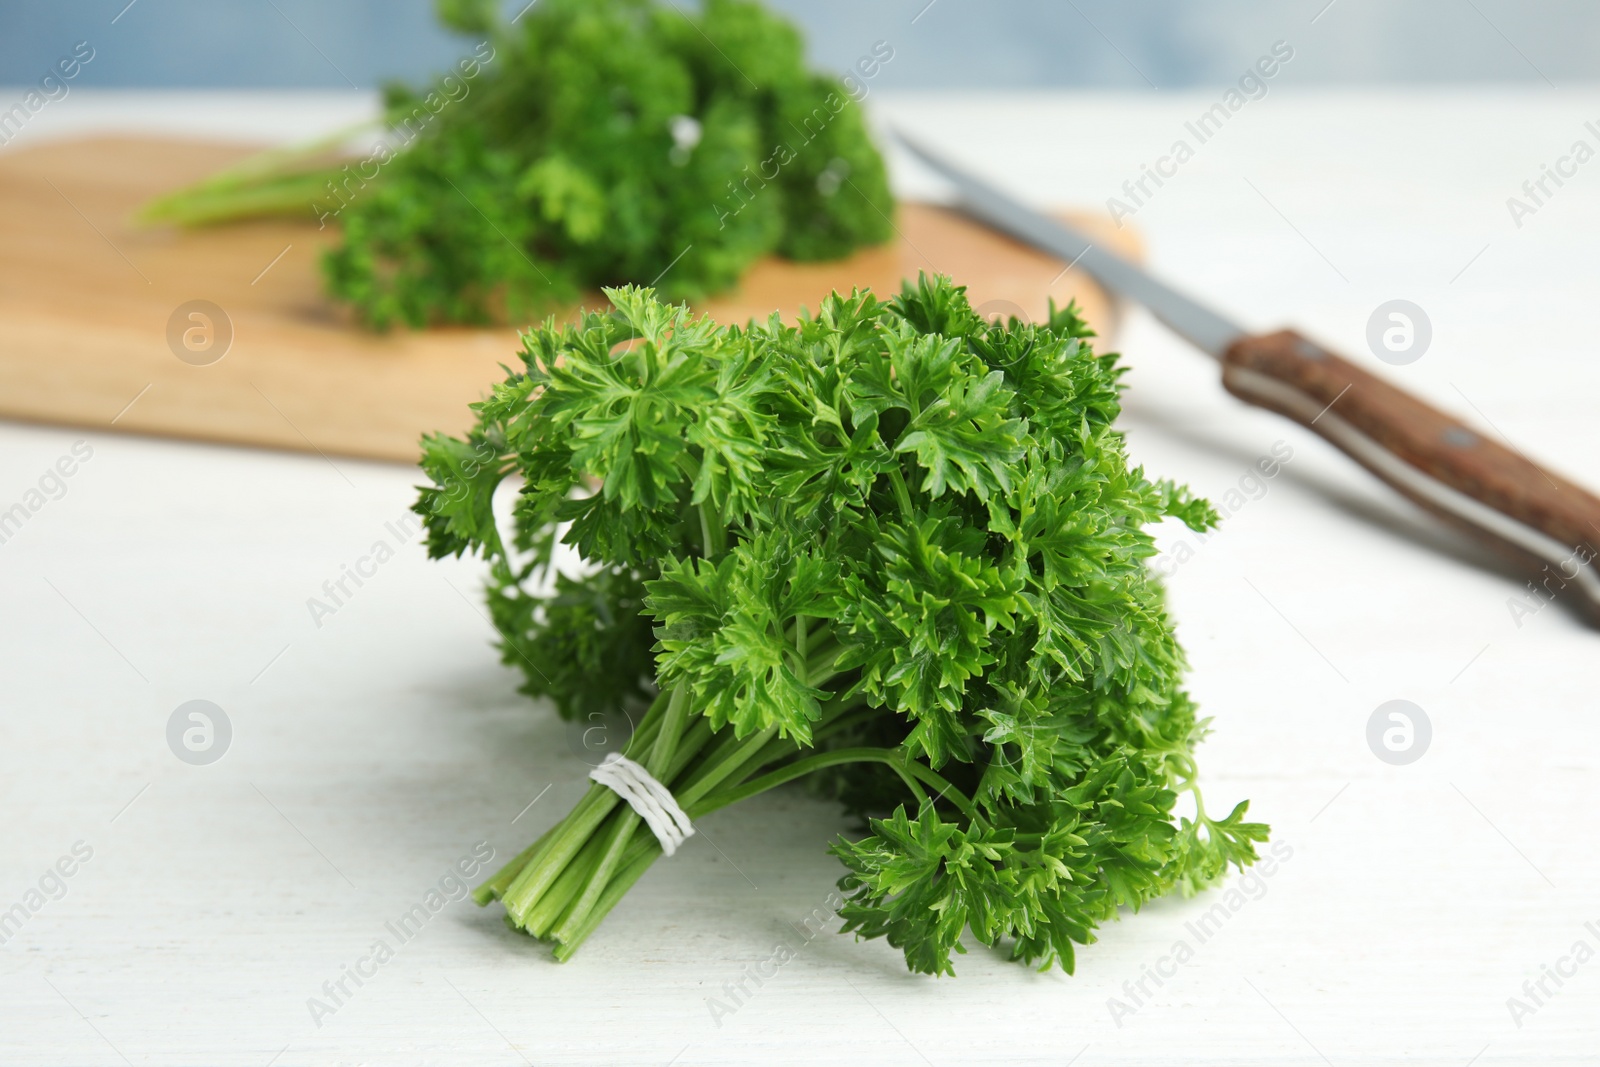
(1546, 525)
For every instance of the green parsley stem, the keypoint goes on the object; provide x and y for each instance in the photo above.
(901, 493)
(549, 908)
(658, 764)
(564, 884)
(554, 851)
(628, 873)
(907, 769)
(616, 841)
(713, 535)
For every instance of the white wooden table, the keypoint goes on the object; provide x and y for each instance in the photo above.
(370, 754)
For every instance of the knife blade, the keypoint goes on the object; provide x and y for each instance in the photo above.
(1545, 525)
(1195, 323)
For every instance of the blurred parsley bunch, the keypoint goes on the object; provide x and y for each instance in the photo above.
(598, 142)
(894, 550)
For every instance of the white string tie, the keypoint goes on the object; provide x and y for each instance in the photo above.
(652, 800)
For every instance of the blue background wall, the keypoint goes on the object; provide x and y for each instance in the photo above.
(950, 43)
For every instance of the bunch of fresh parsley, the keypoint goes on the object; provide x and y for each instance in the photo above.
(893, 549)
(599, 142)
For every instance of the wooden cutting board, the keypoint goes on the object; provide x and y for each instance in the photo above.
(93, 310)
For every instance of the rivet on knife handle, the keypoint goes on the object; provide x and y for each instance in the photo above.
(1539, 520)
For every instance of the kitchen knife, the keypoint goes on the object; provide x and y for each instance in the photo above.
(1546, 525)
